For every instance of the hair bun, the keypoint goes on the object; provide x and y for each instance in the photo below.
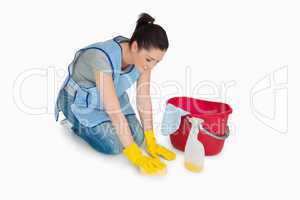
(144, 19)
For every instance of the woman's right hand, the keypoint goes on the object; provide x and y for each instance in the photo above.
(146, 164)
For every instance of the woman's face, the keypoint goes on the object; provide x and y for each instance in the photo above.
(145, 59)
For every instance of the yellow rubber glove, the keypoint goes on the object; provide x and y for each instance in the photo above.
(156, 150)
(147, 165)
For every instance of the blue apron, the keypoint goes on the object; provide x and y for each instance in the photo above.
(87, 105)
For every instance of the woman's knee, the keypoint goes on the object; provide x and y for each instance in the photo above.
(105, 140)
(102, 138)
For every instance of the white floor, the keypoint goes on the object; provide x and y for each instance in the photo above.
(45, 160)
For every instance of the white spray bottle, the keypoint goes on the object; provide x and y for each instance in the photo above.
(194, 152)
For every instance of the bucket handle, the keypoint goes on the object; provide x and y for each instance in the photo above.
(207, 132)
(223, 137)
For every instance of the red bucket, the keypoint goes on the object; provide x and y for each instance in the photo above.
(215, 129)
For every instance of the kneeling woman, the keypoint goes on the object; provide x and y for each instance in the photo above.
(94, 100)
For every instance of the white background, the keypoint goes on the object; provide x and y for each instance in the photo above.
(211, 43)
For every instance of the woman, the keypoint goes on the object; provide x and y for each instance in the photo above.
(94, 100)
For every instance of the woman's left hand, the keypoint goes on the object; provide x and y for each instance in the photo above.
(156, 150)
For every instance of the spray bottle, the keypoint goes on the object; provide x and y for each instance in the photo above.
(194, 151)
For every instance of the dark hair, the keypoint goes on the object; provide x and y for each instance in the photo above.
(149, 35)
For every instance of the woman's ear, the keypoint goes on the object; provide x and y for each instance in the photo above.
(134, 47)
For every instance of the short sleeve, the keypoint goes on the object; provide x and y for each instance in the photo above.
(87, 64)
(96, 60)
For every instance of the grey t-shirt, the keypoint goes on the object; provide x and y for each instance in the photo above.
(87, 63)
